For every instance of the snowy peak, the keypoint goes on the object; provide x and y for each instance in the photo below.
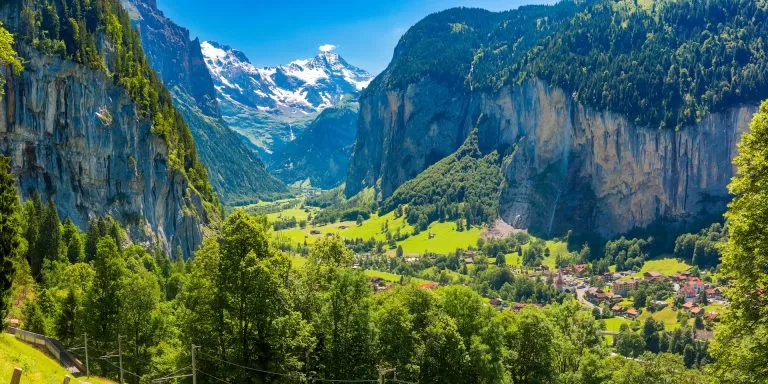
(298, 90)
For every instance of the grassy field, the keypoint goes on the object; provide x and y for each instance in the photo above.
(666, 266)
(37, 367)
(391, 277)
(373, 227)
(555, 248)
(668, 316)
(298, 213)
(614, 323)
(446, 239)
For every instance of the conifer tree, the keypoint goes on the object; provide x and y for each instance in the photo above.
(10, 233)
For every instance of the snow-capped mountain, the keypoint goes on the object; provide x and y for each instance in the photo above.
(296, 91)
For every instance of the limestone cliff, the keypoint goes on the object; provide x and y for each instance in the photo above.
(566, 166)
(76, 138)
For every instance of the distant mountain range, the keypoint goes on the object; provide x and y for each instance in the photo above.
(271, 106)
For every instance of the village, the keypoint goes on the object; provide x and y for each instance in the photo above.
(684, 298)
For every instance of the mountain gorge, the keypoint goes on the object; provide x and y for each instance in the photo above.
(321, 153)
(89, 126)
(235, 170)
(652, 145)
(272, 106)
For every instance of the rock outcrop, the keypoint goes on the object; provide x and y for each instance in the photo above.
(566, 166)
(76, 138)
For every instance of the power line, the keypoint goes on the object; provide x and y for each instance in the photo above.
(243, 366)
(124, 370)
(213, 377)
(286, 374)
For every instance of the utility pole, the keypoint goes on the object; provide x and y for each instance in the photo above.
(194, 368)
(120, 356)
(87, 366)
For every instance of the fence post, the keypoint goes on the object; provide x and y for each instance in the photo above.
(16, 378)
(66, 379)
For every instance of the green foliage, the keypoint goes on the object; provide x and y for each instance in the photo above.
(532, 340)
(701, 249)
(446, 45)
(8, 56)
(665, 65)
(464, 185)
(98, 34)
(742, 337)
(10, 234)
(630, 344)
(241, 301)
(627, 254)
(687, 58)
(360, 205)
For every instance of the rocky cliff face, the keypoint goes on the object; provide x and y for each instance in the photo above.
(235, 170)
(76, 138)
(566, 166)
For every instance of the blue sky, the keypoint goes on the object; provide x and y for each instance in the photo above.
(275, 32)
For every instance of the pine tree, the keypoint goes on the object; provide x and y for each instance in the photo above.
(92, 239)
(33, 210)
(50, 233)
(10, 233)
(66, 323)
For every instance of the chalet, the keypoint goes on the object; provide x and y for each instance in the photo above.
(623, 287)
(579, 269)
(653, 276)
(679, 277)
(688, 306)
(696, 283)
(429, 285)
(597, 295)
(617, 309)
(711, 316)
(659, 304)
(315, 232)
(688, 293)
(518, 306)
(468, 260)
(632, 313)
(495, 302)
(696, 311)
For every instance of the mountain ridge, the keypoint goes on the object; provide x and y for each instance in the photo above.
(597, 169)
(271, 106)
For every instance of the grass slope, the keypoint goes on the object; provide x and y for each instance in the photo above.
(445, 239)
(37, 367)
